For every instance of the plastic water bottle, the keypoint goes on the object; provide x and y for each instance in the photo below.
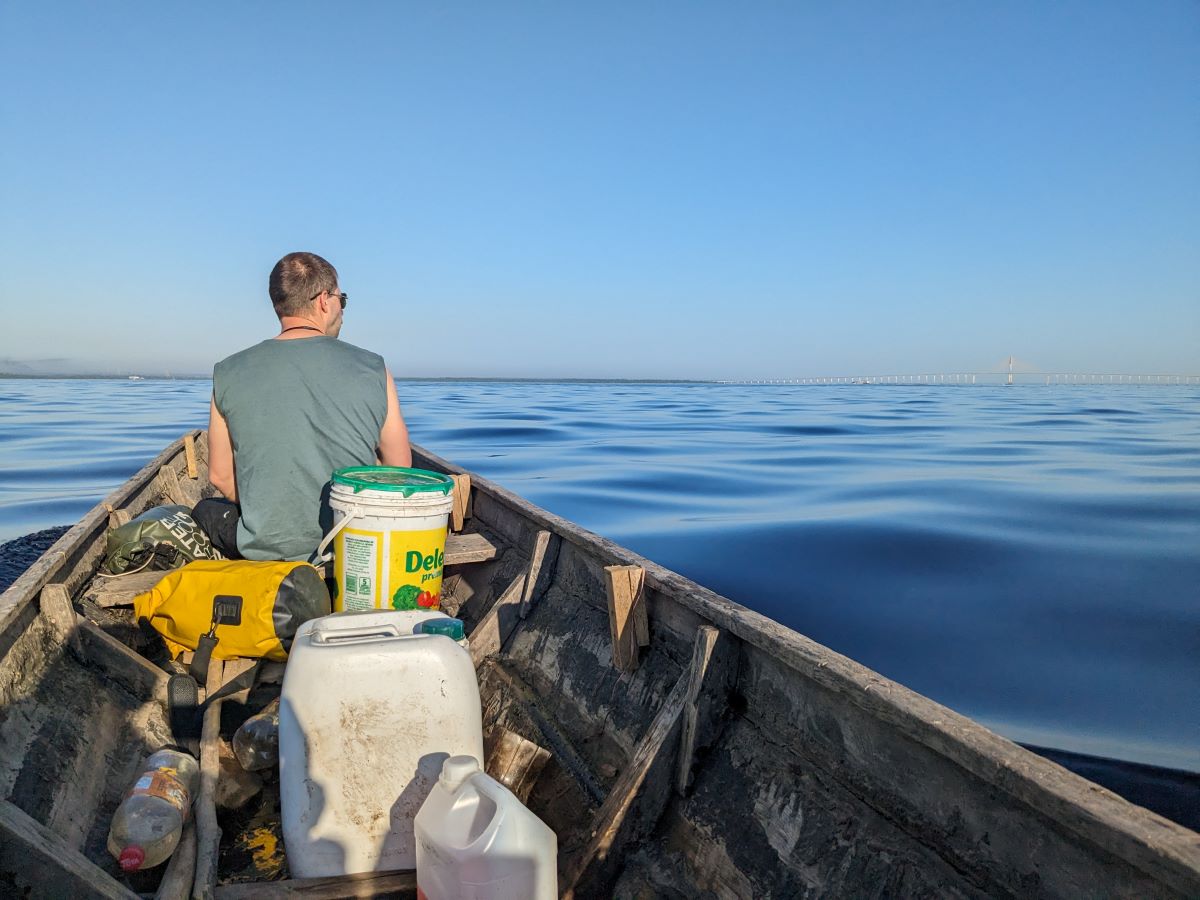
(256, 743)
(476, 840)
(149, 821)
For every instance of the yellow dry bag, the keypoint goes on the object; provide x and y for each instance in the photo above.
(234, 608)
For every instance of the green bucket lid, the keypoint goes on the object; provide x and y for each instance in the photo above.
(394, 478)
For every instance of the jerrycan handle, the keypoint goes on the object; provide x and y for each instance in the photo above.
(324, 633)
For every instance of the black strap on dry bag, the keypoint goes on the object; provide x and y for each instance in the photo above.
(186, 715)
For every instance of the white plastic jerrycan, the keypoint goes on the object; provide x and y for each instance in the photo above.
(373, 703)
(477, 841)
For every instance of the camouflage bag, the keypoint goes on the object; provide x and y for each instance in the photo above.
(164, 537)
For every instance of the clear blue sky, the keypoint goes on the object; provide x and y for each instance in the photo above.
(609, 189)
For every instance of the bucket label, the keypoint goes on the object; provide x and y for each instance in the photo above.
(415, 568)
(358, 569)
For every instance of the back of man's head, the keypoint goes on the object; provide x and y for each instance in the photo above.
(297, 280)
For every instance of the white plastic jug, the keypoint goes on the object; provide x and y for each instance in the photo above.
(368, 713)
(477, 841)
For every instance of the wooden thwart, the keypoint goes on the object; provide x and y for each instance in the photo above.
(468, 548)
(627, 618)
(121, 589)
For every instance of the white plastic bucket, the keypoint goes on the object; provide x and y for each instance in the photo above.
(389, 537)
(368, 713)
(476, 840)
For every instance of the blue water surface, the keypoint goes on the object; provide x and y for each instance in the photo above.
(1027, 555)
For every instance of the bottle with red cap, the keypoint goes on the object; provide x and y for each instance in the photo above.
(147, 825)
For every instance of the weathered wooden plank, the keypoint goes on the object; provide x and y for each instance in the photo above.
(36, 862)
(119, 590)
(119, 517)
(627, 618)
(516, 692)
(462, 499)
(634, 804)
(168, 483)
(516, 762)
(208, 831)
(495, 627)
(129, 669)
(60, 613)
(711, 678)
(536, 558)
(468, 548)
(189, 452)
(184, 492)
(400, 885)
(177, 880)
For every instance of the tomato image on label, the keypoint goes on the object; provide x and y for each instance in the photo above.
(428, 600)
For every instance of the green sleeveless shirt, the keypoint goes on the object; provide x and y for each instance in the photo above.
(296, 411)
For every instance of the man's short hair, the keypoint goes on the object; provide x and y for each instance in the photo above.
(297, 280)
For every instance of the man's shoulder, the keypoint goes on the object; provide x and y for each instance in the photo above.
(366, 356)
(234, 358)
(264, 352)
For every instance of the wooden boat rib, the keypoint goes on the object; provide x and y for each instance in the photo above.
(696, 748)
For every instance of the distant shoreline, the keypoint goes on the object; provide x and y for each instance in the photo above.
(26, 377)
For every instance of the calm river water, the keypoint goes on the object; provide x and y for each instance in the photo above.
(1029, 556)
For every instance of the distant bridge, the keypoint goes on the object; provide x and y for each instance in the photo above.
(1019, 372)
(960, 378)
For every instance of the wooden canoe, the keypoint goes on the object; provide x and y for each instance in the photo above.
(696, 748)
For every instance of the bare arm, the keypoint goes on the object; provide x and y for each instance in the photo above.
(393, 437)
(220, 454)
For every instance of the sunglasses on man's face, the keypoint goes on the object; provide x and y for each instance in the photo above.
(341, 297)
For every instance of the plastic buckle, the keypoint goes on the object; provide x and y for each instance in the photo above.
(227, 610)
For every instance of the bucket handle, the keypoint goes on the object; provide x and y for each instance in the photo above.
(320, 557)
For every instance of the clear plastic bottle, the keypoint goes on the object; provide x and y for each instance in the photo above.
(256, 743)
(147, 825)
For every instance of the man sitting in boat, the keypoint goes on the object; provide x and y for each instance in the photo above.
(290, 410)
